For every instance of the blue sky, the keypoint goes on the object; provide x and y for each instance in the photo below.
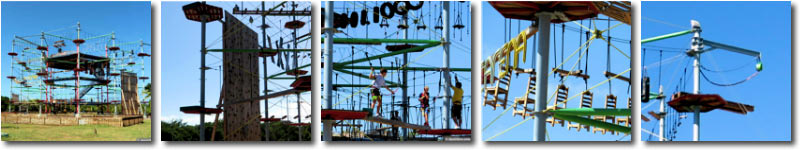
(460, 51)
(181, 60)
(759, 26)
(131, 22)
(495, 35)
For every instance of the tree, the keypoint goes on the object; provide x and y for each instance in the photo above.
(5, 102)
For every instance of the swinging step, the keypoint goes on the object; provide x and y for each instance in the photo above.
(522, 100)
(576, 73)
(620, 77)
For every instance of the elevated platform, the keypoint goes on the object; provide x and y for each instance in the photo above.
(96, 81)
(67, 61)
(302, 83)
(332, 114)
(199, 109)
(400, 47)
(270, 119)
(683, 101)
(526, 10)
(445, 132)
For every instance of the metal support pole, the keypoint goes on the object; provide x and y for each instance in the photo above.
(661, 127)
(328, 124)
(446, 55)
(697, 46)
(405, 82)
(296, 76)
(203, 75)
(264, 63)
(542, 57)
(696, 129)
(77, 75)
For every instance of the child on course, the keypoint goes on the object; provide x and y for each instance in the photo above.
(377, 83)
(424, 104)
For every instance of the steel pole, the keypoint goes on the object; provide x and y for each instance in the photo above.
(446, 55)
(661, 127)
(296, 76)
(697, 46)
(542, 57)
(264, 63)
(405, 82)
(203, 75)
(328, 124)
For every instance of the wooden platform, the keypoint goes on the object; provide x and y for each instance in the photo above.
(71, 120)
(332, 114)
(446, 132)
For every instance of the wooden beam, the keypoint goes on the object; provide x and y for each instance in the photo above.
(396, 123)
(612, 75)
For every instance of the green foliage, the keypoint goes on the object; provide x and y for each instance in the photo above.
(30, 132)
(179, 131)
(5, 102)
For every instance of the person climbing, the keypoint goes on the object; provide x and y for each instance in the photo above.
(424, 104)
(455, 110)
(376, 89)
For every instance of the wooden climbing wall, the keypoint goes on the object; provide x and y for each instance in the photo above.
(241, 80)
(130, 95)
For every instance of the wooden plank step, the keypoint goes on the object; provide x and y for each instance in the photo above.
(396, 123)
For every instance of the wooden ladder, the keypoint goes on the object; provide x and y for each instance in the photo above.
(626, 120)
(611, 103)
(586, 102)
(527, 99)
(560, 103)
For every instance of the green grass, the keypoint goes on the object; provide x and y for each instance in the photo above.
(28, 132)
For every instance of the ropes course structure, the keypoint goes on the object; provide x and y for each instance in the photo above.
(284, 46)
(413, 31)
(501, 70)
(71, 67)
(685, 103)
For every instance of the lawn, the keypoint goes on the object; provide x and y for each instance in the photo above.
(27, 132)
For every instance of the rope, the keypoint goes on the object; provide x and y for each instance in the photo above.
(728, 84)
(726, 70)
(615, 47)
(598, 84)
(509, 129)
(498, 116)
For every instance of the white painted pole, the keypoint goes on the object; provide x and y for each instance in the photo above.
(662, 115)
(446, 59)
(697, 46)
(328, 124)
(542, 60)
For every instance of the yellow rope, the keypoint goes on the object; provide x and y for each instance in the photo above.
(615, 47)
(498, 116)
(509, 129)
